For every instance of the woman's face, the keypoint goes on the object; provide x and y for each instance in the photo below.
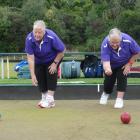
(38, 34)
(115, 42)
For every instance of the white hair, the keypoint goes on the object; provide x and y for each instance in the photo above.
(39, 24)
(115, 32)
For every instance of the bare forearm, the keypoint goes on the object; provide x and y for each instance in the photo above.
(31, 63)
(32, 69)
(59, 56)
(106, 65)
(127, 67)
(107, 68)
(134, 57)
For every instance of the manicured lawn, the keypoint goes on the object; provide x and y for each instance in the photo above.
(65, 81)
(69, 120)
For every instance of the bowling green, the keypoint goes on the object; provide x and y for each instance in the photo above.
(69, 120)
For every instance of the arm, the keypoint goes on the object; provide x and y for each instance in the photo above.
(58, 58)
(59, 46)
(107, 67)
(133, 59)
(30, 59)
(130, 63)
(105, 57)
(135, 49)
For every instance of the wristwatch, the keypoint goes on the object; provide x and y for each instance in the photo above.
(130, 63)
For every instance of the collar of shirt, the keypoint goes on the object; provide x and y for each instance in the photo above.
(117, 52)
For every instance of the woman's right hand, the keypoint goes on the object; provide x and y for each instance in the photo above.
(108, 72)
(107, 68)
(34, 80)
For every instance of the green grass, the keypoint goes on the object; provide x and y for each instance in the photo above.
(69, 120)
(13, 78)
(85, 80)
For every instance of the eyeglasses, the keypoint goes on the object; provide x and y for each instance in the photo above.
(114, 43)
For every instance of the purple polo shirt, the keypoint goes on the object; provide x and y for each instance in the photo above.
(128, 48)
(47, 50)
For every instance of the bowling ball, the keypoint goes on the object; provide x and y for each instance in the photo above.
(125, 118)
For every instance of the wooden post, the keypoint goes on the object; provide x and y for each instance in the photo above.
(2, 68)
(8, 70)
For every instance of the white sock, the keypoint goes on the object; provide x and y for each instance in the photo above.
(119, 99)
(50, 97)
(44, 96)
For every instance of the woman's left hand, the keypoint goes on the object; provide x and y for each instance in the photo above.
(126, 68)
(53, 68)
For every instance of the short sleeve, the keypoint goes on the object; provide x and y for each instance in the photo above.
(105, 52)
(58, 44)
(134, 47)
(28, 46)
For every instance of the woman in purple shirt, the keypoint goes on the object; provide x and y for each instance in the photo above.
(118, 52)
(45, 51)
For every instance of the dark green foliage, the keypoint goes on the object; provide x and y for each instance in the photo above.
(128, 4)
(12, 3)
(130, 23)
(82, 24)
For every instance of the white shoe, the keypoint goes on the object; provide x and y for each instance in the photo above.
(45, 104)
(52, 103)
(104, 98)
(48, 103)
(43, 99)
(118, 103)
(50, 100)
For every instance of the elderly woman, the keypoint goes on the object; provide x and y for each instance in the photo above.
(118, 52)
(45, 51)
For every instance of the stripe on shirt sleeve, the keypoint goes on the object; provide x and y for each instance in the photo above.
(50, 36)
(125, 40)
(105, 45)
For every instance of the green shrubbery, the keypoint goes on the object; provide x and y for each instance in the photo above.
(82, 24)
